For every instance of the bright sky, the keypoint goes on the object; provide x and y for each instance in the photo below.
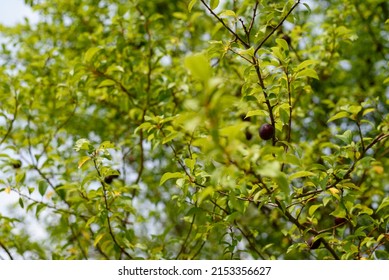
(14, 11)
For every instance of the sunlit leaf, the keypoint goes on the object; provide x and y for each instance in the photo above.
(198, 66)
(339, 115)
(170, 175)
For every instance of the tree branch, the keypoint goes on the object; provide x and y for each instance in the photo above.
(226, 26)
(6, 250)
(277, 26)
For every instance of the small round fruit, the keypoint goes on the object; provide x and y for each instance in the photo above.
(340, 221)
(313, 244)
(16, 164)
(266, 131)
(110, 178)
(287, 39)
(248, 135)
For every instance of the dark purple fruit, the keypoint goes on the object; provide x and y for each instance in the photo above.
(266, 131)
(287, 39)
(313, 244)
(108, 179)
(16, 164)
(340, 221)
(248, 135)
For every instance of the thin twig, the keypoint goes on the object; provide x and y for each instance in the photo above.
(187, 237)
(108, 212)
(277, 26)
(225, 25)
(6, 250)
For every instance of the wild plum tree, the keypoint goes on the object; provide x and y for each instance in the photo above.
(130, 130)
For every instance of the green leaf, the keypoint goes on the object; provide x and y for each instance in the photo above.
(114, 68)
(305, 64)
(308, 8)
(83, 144)
(21, 203)
(339, 115)
(368, 110)
(90, 53)
(98, 238)
(284, 115)
(249, 52)
(283, 44)
(307, 73)
(213, 4)
(283, 183)
(300, 174)
(20, 177)
(42, 187)
(227, 13)
(190, 163)
(170, 137)
(256, 113)
(384, 204)
(270, 169)
(198, 66)
(82, 161)
(170, 175)
(346, 137)
(339, 212)
(107, 83)
(106, 145)
(204, 193)
(191, 4)
(313, 209)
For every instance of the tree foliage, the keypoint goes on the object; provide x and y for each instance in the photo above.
(130, 130)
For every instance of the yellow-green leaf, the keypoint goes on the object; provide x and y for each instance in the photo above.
(98, 238)
(170, 175)
(305, 64)
(107, 83)
(191, 4)
(339, 115)
(214, 4)
(307, 73)
(256, 113)
(82, 161)
(384, 204)
(313, 209)
(198, 66)
(107, 145)
(300, 174)
(227, 13)
(282, 43)
(90, 53)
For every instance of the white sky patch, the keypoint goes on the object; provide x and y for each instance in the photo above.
(14, 11)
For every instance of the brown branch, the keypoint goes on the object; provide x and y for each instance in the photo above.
(6, 250)
(305, 228)
(225, 25)
(186, 238)
(253, 18)
(10, 127)
(252, 245)
(108, 212)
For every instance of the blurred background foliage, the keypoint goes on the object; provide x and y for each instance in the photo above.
(129, 129)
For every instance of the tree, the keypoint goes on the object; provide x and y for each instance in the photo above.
(130, 130)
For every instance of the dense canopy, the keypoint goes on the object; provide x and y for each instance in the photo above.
(130, 129)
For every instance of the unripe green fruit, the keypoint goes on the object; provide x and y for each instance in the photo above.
(266, 131)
